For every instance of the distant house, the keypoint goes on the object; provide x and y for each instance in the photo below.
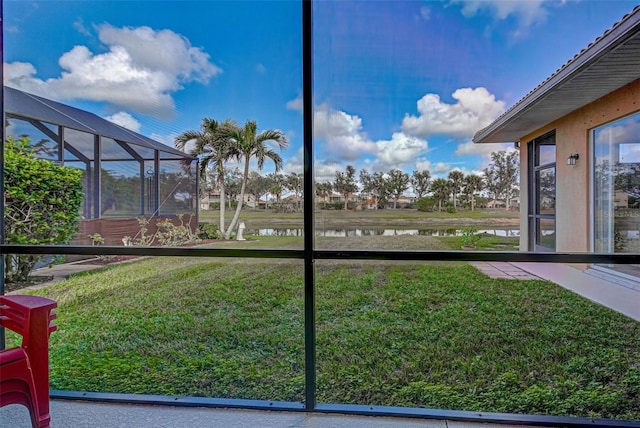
(578, 134)
(403, 201)
(514, 203)
(209, 199)
(620, 199)
(332, 198)
(496, 203)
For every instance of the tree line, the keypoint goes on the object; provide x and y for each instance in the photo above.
(217, 143)
(377, 189)
(499, 181)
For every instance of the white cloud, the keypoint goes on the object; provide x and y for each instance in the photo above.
(295, 163)
(469, 148)
(423, 164)
(80, 27)
(425, 13)
(475, 109)
(342, 133)
(342, 137)
(20, 75)
(295, 104)
(125, 120)
(441, 167)
(261, 69)
(326, 171)
(526, 12)
(167, 139)
(400, 151)
(483, 150)
(626, 132)
(163, 50)
(140, 70)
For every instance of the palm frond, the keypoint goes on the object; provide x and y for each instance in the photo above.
(274, 135)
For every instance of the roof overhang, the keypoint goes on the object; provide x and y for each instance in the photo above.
(609, 63)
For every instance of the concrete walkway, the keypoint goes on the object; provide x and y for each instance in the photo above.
(615, 296)
(597, 289)
(63, 271)
(503, 270)
(80, 414)
(60, 273)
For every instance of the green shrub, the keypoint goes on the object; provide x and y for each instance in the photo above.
(207, 231)
(43, 203)
(469, 237)
(333, 206)
(426, 204)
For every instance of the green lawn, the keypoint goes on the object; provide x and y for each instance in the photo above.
(402, 334)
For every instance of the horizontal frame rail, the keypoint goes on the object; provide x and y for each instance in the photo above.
(337, 254)
(344, 409)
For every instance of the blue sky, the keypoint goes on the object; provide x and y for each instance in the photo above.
(396, 84)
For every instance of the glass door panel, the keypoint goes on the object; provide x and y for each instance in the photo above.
(542, 204)
(616, 148)
(546, 191)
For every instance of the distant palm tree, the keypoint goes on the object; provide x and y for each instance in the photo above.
(277, 185)
(323, 190)
(472, 184)
(456, 178)
(440, 190)
(213, 152)
(247, 144)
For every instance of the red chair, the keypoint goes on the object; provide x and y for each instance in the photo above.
(24, 371)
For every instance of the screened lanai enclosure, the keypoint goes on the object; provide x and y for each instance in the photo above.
(126, 175)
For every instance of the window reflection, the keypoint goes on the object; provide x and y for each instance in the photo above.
(617, 186)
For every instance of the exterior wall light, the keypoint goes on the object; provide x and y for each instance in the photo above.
(571, 160)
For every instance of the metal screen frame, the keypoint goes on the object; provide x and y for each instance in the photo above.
(309, 255)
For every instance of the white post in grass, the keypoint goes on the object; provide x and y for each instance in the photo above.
(241, 228)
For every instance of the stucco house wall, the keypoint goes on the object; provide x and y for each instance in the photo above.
(573, 183)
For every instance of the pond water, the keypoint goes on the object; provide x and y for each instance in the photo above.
(377, 232)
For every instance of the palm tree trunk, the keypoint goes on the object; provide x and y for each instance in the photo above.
(236, 216)
(222, 207)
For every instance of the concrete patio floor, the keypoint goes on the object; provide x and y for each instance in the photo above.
(79, 414)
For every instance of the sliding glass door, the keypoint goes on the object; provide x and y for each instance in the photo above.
(616, 149)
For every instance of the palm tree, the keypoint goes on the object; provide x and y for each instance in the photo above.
(323, 190)
(456, 178)
(277, 185)
(440, 190)
(472, 184)
(248, 144)
(346, 183)
(213, 151)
